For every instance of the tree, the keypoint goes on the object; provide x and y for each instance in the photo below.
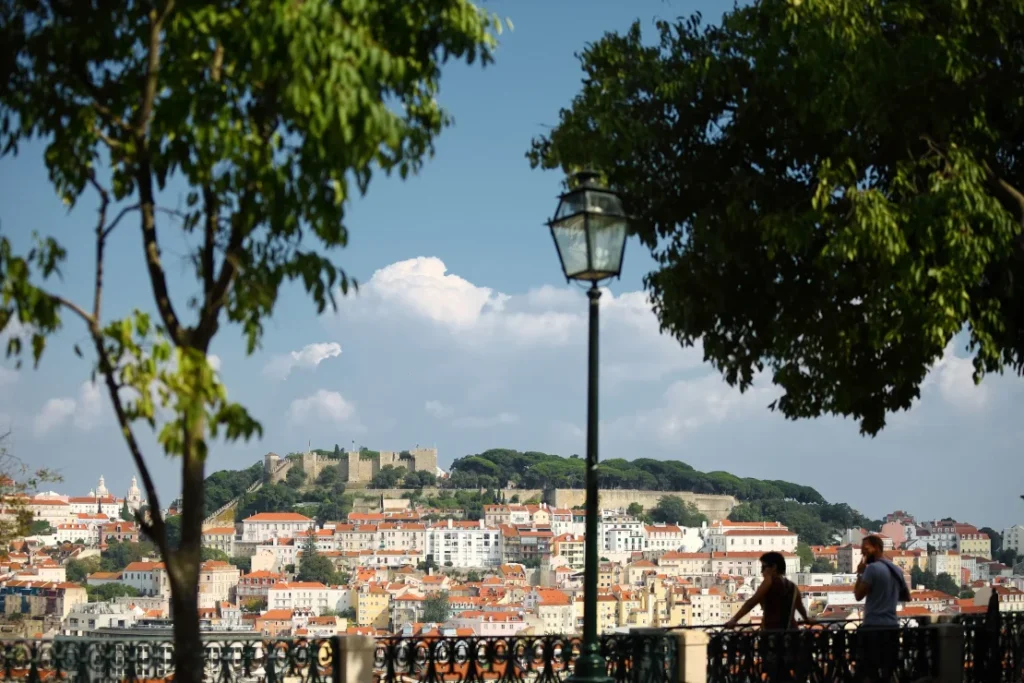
(923, 578)
(126, 514)
(388, 477)
(265, 113)
(435, 608)
(16, 483)
(108, 591)
(946, 584)
(834, 232)
(966, 594)
(328, 476)
(673, 510)
(823, 566)
(1007, 556)
(635, 509)
(803, 551)
(348, 613)
(78, 570)
(313, 566)
(473, 576)
(207, 554)
(243, 563)
(40, 527)
(296, 477)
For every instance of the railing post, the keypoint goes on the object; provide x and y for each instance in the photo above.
(352, 658)
(949, 652)
(691, 656)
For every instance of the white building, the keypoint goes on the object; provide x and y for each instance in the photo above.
(488, 623)
(669, 537)
(464, 544)
(265, 526)
(306, 595)
(1013, 538)
(620, 533)
(753, 540)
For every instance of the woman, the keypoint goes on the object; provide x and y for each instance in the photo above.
(778, 597)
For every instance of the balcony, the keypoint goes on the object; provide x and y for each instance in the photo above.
(966, 650)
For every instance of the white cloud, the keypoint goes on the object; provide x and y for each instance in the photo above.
(498, 420)
(84, 412)
(214, 362)
(54, 413)
(953, 377)
(322, 406)
(690, 404)
(438, 410)
(485, 321)
(308, 357)
(88, 407)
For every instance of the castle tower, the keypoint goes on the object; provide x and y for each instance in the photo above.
(101, 489)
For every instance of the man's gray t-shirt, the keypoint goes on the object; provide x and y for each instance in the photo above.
(880, 604)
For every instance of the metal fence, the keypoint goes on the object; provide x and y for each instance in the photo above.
(993, 647)
(632, 658)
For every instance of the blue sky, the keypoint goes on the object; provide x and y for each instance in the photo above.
(464, 335)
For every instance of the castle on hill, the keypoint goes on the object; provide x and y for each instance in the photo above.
(354, 466)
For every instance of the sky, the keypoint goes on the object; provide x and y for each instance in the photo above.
(465, 336)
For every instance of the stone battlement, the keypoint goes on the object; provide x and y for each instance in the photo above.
(354, 466)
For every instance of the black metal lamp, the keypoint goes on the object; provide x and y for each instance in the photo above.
(589, 229)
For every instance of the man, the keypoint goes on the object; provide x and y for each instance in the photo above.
(881, 584)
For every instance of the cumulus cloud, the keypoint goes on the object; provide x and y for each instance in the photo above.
(308, 357)
(482, 320)
(953, 378)
(323, 406)
(84, 411)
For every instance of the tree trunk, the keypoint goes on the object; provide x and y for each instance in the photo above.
(188, 646)
(184, 575)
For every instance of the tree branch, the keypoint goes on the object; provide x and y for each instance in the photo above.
(211, 211)
(156, 525)
(152, 69)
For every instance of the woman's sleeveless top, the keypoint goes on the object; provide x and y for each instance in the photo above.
(778, 605)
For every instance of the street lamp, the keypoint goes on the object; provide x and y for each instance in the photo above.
(589, 229)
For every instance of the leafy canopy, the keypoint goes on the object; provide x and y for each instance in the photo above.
(832, 189)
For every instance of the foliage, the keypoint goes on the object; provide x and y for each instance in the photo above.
(816, 524)
(334, 508)
(473, 576)
(207, 554)
(635, 509)
(315, 567)
(256, 605)
(40, 527)
(823, 566)
(348, 613)
(435, 608)
(270, 115)
(832, 189)
(428, 564)
(118, 555)
(172, 531)
(803, 551)
(296, 476)
(78, 570)
(328, 476)
(17, 482)
(224, 486)
(419, 479)
(966, 594)
(496, 468)
(674, 510)
(387, 477)
(946, 584)
(243, 563)
(108, 591)
(277, 497)
(470, 503)
(1007, 556)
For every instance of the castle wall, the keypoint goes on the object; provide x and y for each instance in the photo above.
(716, 507)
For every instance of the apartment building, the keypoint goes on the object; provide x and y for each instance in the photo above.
(264, 526)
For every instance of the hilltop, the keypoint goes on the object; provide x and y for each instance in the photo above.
(494, 471)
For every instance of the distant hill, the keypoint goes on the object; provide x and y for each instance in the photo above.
(801, 508)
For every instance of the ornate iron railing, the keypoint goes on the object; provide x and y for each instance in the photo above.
(993, 647)
(830, 653)
(632, 658)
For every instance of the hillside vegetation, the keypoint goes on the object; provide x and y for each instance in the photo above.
(801, 508)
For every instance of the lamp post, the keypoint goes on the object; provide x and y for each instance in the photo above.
(589, 230)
